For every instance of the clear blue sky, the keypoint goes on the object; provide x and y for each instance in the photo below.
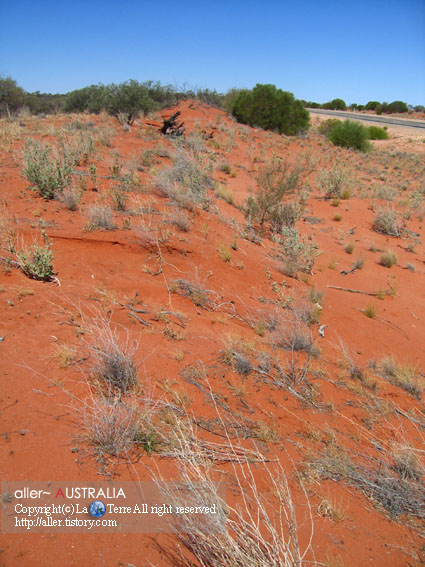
(359, 51)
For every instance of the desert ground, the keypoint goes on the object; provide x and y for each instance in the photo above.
(154, 256)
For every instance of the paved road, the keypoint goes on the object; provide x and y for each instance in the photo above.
(371, 118)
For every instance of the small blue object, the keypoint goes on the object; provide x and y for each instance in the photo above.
(97, 509)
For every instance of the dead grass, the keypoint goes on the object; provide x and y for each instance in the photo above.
(405, 376)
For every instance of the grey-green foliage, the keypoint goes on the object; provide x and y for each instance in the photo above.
(277, 180)
(37, 261)
(50, 172)
(334, 182)
(185, 181)
(299, 254)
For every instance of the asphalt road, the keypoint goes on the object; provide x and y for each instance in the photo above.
(371, 118)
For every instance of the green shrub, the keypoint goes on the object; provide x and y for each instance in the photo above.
(372, 104)
(376, 133)
(349, 134)
(36, 261)
(272, 109)
(326, 126)
(49, 175)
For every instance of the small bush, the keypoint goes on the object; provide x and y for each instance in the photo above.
(388, 259)
(276, 180)
(180, 219)
(37, 261)
(387, 221)
(376, 133)
(370, 311)
(350, 134)
(326, 126)
(404, 376)
(101, 217)
(298, 252)
(119, 197)
(224, 252)
(49, 175)
(349, 247)
(335, 182)
(186, 181)
(226, 194)
(70, 197)
(112, 427)
(114, 366)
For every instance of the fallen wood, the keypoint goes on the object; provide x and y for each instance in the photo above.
(364, 292)
(171, 127)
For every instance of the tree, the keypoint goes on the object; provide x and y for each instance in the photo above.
(372, 104)
(272, 109)
(12, 96)
(397, 106)
(335, 104)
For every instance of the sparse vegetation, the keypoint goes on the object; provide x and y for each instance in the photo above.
(299, 254)
(186, 181)
(335, 183)
(387, 221)
(101, 217)
(405, 376)
(49, 175)
(388, 259)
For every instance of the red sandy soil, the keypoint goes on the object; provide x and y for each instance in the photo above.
(101, 271)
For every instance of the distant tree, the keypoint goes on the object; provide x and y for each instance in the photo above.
(397, 106)
(382, 108)
(372, 104)
(12, 96)
(90, 99)
(419, 108)
(335, 104)
(272, 109)
(354, 106)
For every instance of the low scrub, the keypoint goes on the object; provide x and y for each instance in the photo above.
(335, 183)
(49, 174)
(185, 182)
(101, 217)
(392, 482)
(277, 180)
(351, 135)
(404, 376)
(376, 133)
(35, 261)
(387, 221)
(299, 253)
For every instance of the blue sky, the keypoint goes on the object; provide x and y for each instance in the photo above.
(359, 51)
